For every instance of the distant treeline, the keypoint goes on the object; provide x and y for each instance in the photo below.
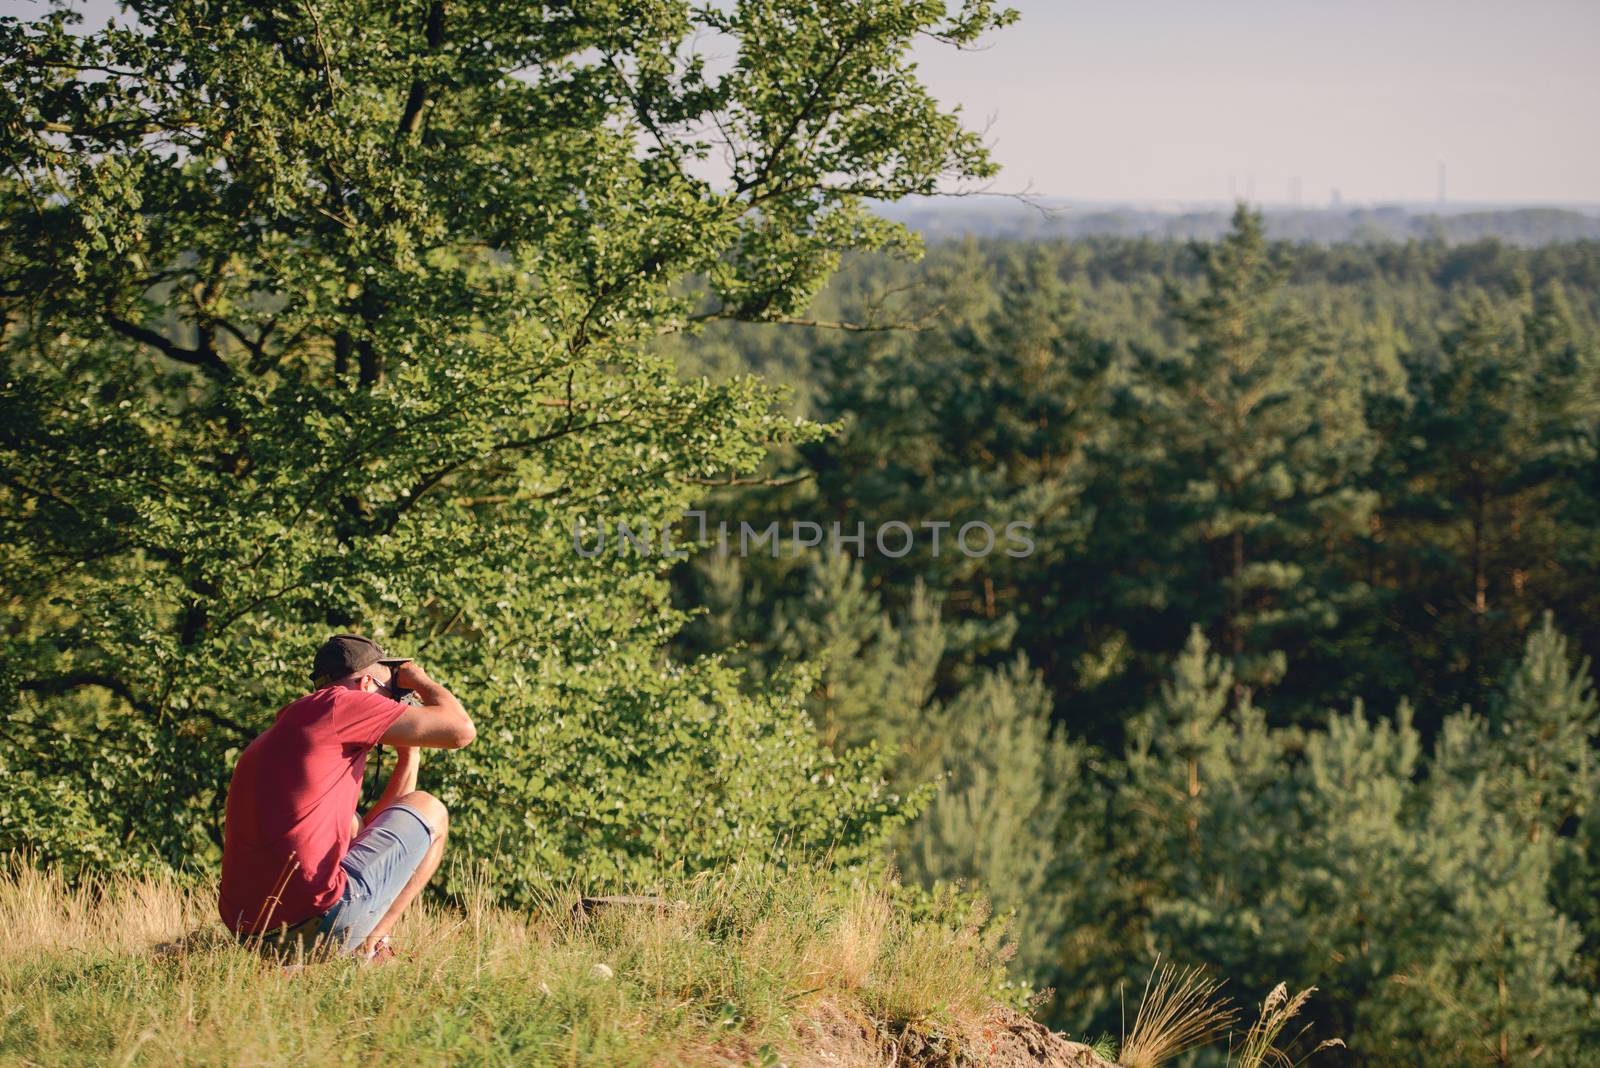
(1294, 681)
(939, 221)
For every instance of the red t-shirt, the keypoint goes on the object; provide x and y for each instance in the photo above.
(289, 807)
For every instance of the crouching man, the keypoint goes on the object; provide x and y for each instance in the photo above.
(300, 868)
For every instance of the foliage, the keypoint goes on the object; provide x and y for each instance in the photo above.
(1000, 822)
(1259, 762)
(1410, 465)
(1545, 728)
(1253, 435)
(1420, 904)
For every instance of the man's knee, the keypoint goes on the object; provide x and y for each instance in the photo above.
(430, 808)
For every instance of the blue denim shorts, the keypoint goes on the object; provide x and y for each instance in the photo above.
(381, 860)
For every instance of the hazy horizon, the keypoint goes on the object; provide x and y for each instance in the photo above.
(1419, 207)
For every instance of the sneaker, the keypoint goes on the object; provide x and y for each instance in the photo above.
(382, 952)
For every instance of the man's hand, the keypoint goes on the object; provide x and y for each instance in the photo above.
(438, 723)
(410, 676)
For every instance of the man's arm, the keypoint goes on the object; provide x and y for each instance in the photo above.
(438, 723)
(402, 780)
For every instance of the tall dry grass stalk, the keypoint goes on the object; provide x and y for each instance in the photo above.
(1180, 1009)
(845, 954)
(1259, 1048)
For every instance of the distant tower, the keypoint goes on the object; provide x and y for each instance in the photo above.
(1441, 183)
(1294, 192)
(1336, 201)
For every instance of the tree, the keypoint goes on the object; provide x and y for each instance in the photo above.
(1238, 463)
(1481, 481)
(337, 317)
(1546, 727)
(1404, 888)
(1001, 819)
(983, 415)
(1179, 742)
(1006, 778)
(1486, 972)
(1539, 763)
(877, 674)
(972, 428)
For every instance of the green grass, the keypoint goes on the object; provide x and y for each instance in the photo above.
(756, 968)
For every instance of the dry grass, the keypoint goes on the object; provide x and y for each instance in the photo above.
(846, 954)
(758, 967)
(1180, 1010)
(40, 914)
(1259, 1047)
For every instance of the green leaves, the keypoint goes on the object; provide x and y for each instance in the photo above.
(339, 316)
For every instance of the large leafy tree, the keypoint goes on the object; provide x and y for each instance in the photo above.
(322, 316)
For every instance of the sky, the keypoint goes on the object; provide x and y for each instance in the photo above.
(1208, 100)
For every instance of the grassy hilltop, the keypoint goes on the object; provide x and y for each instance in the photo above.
(752, 968)
(748, 967)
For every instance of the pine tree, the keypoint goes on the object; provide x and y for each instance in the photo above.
(1483, 480)
(877, 672)
(1241, 455)
(1000, 821)
(1541, 762)
(1484, 967)
(1546, 727)
(1417, 903)
(1179, 742)
(1184, 835)
(985, 416)
(1576, 891)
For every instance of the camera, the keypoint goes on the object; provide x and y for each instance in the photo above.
(393, 663)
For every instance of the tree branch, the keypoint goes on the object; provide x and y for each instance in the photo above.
(202, 357)
(821, 324)
(56, 685)
(732, 481)
(802, 113)
(431, 481)
(411, 119)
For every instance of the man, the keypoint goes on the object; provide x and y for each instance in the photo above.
(295, 870)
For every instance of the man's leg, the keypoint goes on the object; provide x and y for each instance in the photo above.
(433, 812)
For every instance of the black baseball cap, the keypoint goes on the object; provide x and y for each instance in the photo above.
(346, 654)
